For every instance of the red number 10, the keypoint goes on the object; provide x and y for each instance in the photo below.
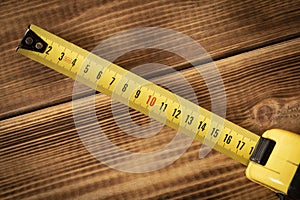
(151, 100)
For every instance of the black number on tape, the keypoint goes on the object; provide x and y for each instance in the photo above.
(189, 119)
(49, 49)
(215, 132)
(227, 139)
(124, 87)
(240, 145)
(202, 125)
(176, 113)
(86, 69)
(113, 80)
(99, 75)
(137, 94)
(62, 54)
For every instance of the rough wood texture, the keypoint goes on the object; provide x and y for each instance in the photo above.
(221, 27)
(257, 48)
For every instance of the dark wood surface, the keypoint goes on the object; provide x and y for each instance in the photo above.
(255, 45)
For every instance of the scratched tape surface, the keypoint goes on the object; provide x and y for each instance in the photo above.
(144, 96)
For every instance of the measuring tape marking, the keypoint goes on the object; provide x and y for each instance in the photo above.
(144, 96)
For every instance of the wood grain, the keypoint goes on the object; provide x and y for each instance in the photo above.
(222, 28)
(43, 157)
(255, 44)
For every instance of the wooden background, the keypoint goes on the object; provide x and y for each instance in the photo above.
(255, 45)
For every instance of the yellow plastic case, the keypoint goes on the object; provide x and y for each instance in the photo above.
(275, 162)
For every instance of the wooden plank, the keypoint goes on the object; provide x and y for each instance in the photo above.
(42, 156)
(223, 28)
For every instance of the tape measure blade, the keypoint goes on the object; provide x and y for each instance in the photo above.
(144, 96)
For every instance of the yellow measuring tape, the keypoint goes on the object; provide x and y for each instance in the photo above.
(163, 105)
